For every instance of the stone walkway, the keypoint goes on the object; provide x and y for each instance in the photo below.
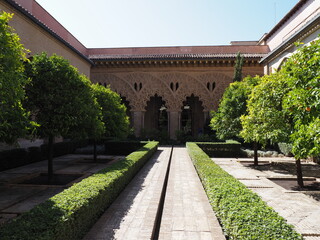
(133, 213)
(300, 210)
(186, 213)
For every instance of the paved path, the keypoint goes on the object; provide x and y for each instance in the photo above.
(300, 210)
(186, 214)
(133, 214)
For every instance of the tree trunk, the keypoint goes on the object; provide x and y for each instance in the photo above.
(50, 159)
(299, 173)
(95, 150)
(255, 155)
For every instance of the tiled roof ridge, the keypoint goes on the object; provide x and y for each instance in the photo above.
(173, 56)
(172, 51)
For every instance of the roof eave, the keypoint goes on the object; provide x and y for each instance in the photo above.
(284, 19)
(310, 27)
(47, 29)
(174, 58)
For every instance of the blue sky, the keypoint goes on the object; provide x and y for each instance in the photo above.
(146, 23)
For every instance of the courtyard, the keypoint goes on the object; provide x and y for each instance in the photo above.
(147, 142)
(166, 199)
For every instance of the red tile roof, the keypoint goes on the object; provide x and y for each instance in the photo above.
(175, 53)
(224, 49)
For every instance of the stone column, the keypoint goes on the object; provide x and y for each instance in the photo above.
(138, 122)
(174, 123)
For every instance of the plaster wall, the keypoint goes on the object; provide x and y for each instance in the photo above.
(308, 11)
(42, 15)
(37, 40)
(276, 63)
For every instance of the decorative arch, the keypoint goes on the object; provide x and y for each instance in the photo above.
(119, 85)
(173, 87)
(283, 61)
(192, 117)
(151, 86)
(156, 117)
(218, 82)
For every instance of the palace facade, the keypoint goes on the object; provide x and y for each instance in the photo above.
(166, 88)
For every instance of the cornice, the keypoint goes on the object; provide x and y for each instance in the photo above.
(312, 26)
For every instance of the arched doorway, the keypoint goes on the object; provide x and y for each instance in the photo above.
(128, 111)
(192, 116)
(156, 117)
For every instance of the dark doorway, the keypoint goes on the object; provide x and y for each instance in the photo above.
(192, 116)
(128, 111)
(156, 117)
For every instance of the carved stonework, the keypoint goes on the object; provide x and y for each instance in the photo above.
(173, 87)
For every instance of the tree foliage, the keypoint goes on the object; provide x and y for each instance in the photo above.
(302, 71)
(61, 102)
(226, 120)
(113, 111)
(60, 99)
(266, 120)
(14, 121)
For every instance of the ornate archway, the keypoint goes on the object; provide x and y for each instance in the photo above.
(173, 87)
(156, 114)
(192, 116)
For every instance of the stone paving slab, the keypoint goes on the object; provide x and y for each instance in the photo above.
(187, 213)
(78, 168)
(32, 201)
(9, 177)
(133, 214)
(15, 194)
(300, 210)
(17, 198)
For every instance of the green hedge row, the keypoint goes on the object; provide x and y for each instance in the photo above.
(122, 147)
(221, 149)
(20, 156)
(242, 213)
(71, 213)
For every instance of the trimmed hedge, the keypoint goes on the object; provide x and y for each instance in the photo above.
(13, 158)
(122, 147)
(242, 213)
(221, 149)
(286, 149)
(71, 213)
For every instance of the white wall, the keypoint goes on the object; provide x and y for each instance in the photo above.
(310, 9)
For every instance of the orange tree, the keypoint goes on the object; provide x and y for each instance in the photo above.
(266, 121)
(114, 114)
(226, 120)
(302, 71)
(61, 101)
(14, 121)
